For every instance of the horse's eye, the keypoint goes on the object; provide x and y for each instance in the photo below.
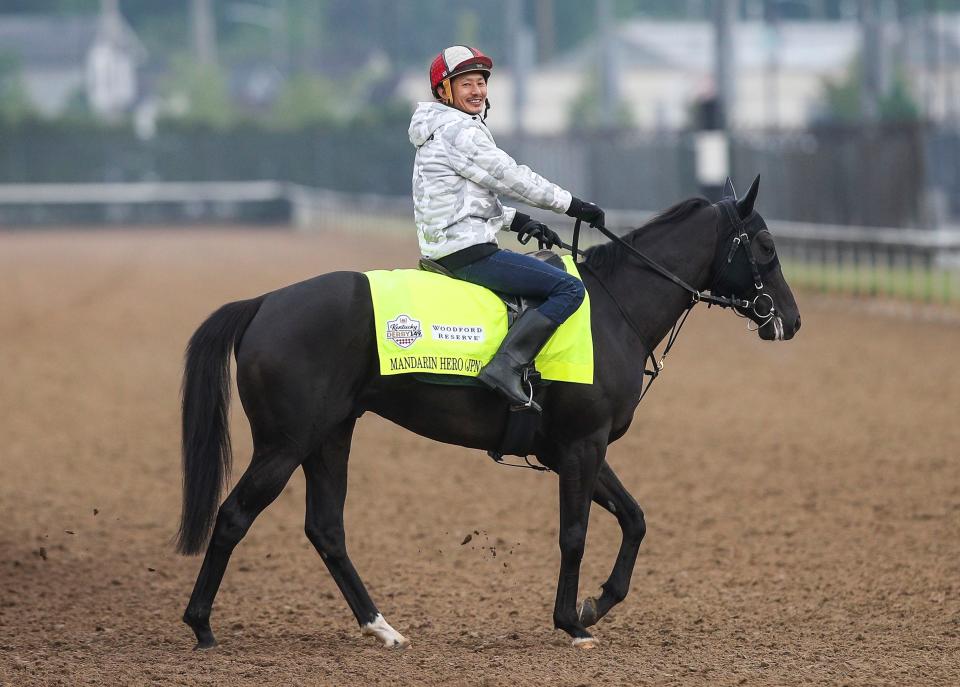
(762, 247)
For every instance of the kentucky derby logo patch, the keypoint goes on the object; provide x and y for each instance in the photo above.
(404, 331)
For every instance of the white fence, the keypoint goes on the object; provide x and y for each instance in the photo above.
(901, 263)
(23, 205)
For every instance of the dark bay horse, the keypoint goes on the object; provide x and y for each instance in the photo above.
(307, 369)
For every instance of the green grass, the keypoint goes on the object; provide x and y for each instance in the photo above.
(907, 282)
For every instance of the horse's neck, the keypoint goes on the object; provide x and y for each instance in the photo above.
(652, 301)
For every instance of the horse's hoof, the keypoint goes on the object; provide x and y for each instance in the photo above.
(381, 629)
(588, 612)
(585, 642)
(205, 638)
(398, 644)
(201, 629)
(205, 643)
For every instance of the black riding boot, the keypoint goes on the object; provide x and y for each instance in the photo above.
(521, 344)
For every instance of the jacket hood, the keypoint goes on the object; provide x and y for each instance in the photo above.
(428, 117)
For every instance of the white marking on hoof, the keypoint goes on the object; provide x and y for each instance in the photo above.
(381, 629)
(585, 642)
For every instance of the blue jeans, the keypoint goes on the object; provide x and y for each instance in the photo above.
(522, 275)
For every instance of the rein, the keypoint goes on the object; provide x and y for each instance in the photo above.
(697, 295)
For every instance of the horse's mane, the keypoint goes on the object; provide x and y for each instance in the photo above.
(605, 257)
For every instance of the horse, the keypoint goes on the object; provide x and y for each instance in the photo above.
(306, 369)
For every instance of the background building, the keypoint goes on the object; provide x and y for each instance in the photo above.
(66, 59)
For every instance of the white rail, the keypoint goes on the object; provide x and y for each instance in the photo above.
(143, 192)
(948, 238)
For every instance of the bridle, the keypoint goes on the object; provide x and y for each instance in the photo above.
(741, 237)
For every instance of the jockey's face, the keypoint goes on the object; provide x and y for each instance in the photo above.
(469, 92)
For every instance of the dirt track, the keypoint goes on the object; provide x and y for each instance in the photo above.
(802, 500)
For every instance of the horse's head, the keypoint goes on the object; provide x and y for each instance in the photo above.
(746, 267)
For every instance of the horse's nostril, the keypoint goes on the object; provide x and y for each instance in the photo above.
(796, 325)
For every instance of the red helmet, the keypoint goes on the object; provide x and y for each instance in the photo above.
(457, 59)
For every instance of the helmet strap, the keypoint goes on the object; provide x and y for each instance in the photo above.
(486, 109)
(446, 93)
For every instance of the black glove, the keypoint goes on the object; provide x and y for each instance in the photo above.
(528, 228)
(588, 212)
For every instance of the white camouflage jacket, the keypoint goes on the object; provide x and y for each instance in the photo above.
(457, 174)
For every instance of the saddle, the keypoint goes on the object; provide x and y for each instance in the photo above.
(522, 423)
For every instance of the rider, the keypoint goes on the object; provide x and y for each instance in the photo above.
(457, 175)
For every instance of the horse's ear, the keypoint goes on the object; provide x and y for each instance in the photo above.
(745, 204)
(728, 190)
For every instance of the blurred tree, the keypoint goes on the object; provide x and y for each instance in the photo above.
(585, 112)
(307, 100)
(391, 115)
(841, 102)
(197, 94)
(368, 95)
(77, 109)
(899, 105)
(15, 105)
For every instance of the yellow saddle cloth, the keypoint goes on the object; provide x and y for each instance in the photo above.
(426, 322)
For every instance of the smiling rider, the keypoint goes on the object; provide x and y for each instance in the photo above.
(458, 174)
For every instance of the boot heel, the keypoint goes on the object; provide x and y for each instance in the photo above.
(508, 370)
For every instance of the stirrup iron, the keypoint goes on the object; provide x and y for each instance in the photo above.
(527, 377)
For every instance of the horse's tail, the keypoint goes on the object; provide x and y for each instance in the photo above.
(206, 404)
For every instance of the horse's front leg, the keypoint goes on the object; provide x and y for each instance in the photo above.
(611, 494)
(577, 465)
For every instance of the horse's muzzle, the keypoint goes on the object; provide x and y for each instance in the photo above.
(779, 329)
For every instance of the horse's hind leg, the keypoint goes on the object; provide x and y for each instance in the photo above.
(260, 485)
(326, 473)
(612, 495)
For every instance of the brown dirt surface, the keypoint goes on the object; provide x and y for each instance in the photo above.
(802, 500)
